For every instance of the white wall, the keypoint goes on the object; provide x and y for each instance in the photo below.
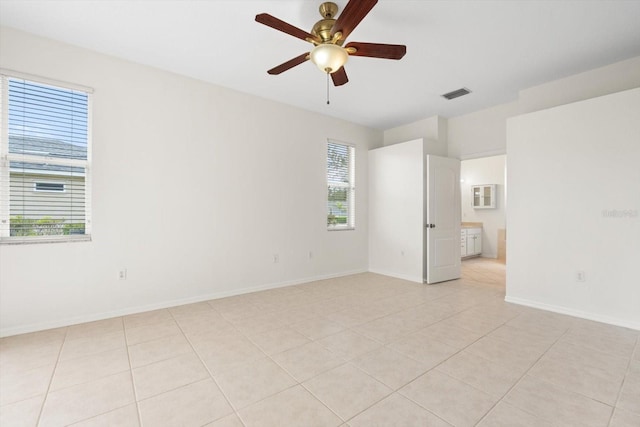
(612, 78)
(480, 134)
(432, 130)
(195, 188)
(487, 170)
(483, 133)
(396, 192)
(566, 168)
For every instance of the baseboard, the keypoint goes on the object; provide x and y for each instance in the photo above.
(397, 276)
(35, 327)
(574, 313)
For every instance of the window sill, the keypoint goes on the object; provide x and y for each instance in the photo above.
(341, 228)
(44, 239)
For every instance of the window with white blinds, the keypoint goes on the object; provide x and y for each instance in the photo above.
(340, 186)
(44, 162)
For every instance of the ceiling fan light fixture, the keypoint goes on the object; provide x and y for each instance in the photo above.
(329, 57)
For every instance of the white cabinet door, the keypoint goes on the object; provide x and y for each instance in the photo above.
(463, 243)
(474, 241)
(478, 244)
(483, 196)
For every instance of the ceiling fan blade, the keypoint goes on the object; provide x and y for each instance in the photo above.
(339, 77)
(353, 13)
(378, 50)
(289, 64)
(280, 25)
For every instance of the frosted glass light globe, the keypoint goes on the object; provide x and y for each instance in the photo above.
(329, 57)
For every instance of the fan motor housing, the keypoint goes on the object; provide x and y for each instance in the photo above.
(322, 28)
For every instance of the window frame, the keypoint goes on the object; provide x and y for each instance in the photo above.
(350, 186)
(6, 158)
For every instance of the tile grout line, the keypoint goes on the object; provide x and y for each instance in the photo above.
(105, 376)
(393, 391)
(624, 379)
(352, 327)
(350, 361)
(131, 368)
(587, 348)
(344, 362)
(274, 361)
(524, 375)
(55, 366)
(206, 367)
(384, 345)
(300, 383)
(133, 384)
(332, 411)
(470, 385)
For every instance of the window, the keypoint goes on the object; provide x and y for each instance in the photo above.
(48, 186)
(44, 161)
(341, 186)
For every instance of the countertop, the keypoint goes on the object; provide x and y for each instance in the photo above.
(471, 225)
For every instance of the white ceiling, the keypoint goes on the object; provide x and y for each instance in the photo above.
(494, 48)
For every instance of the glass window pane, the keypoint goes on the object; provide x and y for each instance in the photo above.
(34, 212)
(47, 121)
(340, 189)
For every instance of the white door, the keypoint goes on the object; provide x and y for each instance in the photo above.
(442, 219)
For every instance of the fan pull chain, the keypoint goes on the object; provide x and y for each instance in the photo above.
(328, 89)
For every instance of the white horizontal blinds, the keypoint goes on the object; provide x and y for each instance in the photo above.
(4, 161)
(340, 186)
(47, 145)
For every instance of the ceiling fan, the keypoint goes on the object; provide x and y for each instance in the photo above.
(328, 35)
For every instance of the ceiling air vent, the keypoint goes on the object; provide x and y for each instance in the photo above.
(456, 93)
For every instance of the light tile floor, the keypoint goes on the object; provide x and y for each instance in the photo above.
(363, 350)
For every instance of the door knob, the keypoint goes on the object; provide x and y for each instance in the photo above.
(430, 226)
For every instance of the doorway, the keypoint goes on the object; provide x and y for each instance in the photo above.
(491, 217)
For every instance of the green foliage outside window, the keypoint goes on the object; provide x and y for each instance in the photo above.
(339, 189)
(45, 226)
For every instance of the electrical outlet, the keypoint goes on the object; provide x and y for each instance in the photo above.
(276, 258)
(580, 276)
(122, 274)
